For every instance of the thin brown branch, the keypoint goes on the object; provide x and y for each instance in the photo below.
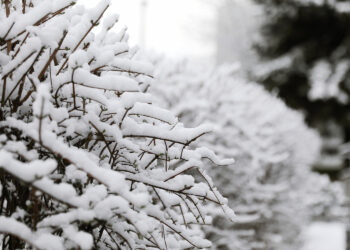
(7, 6)
(23, 6)
(125, 113)
(24, 74)
(103, 137)
(3, 92)
(93, 24)
(41, 74)
(174, 230)
(19, 64)
(181, 172)
(19, 47)
(8, 31)
(41, 120)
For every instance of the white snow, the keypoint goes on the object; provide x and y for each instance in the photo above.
(325, 236)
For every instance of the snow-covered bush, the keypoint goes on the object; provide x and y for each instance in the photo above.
(86, 160)
(271, 187)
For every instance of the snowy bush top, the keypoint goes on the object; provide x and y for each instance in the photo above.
(271, 186)
(86, 160)
(264, 127)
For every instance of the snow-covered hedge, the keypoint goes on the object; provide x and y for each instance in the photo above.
(271, 186)
(86, 160)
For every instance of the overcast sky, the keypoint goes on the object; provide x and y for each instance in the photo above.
(183, 28)
(177, 28)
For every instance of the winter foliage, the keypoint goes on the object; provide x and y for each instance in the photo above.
(86, 160)
(270, 186)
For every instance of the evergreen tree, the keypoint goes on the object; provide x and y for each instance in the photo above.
(307, 47)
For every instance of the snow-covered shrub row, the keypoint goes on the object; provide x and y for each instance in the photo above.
(271, 187)
(86, 160)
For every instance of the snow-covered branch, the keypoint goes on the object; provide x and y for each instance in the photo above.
(86, 160)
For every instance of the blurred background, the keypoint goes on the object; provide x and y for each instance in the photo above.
(298, 50)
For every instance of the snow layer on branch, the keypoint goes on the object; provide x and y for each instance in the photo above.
(26, 172)
(108, 82)
(39, 240)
